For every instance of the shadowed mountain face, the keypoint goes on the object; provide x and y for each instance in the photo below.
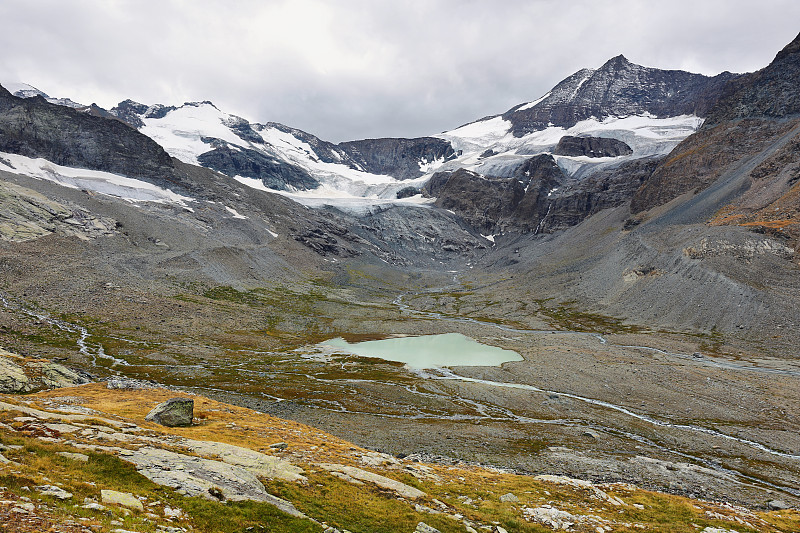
(618, 88)
(493, 205)
(400, 158)
(272, 172)
(750, 141)
(34, 127)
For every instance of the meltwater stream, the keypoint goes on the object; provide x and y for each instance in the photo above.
(449, 374)
(91, 350)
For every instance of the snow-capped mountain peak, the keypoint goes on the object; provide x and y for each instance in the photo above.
(23, 90)
(646, 111)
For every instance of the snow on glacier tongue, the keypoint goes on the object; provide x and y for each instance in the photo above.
(293, 150)
(645, 134)
(122, 187)
(181, 130)
(327, 196)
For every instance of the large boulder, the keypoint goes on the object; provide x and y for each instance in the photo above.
(172, 413)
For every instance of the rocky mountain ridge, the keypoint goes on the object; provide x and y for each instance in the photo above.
(618, 88)
(284, 158)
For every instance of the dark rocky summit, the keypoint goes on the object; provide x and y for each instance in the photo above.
(619, 88)
(33, 127)
(132, 112)
(591, 147)
(399, 158)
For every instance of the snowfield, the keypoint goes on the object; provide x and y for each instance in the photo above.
(181, 132)
(116, 185)
(645, 134)
(327, 196)
(194, 128)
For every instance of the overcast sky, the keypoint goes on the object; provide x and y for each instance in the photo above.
(350, 69)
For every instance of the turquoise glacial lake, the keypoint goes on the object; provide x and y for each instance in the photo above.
(429, 351)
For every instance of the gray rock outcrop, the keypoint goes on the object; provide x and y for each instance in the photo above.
(400, 158)
(124, 499)
(591, 147)
(26, 215)
(21, 375)
(196, 476)
(173, 413)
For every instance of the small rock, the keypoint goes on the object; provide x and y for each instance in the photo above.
(510, 497)
(74, 456)
(125, 499)
(55, 492)
(777, 505)
(129, 384)
(169, 512)
(499, 529)
(173, 413)
(590, 433)
(94, 506)
(279, 446)
(422, 527)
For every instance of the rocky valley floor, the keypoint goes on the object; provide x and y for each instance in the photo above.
(594, 398)
(85, 459)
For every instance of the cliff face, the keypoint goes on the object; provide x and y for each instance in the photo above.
(400, 158)
(538, 198)
(747, 126)
(494, 205)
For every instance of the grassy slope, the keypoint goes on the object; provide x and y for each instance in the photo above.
(358, 508)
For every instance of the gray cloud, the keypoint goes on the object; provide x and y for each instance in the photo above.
(345, 69)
